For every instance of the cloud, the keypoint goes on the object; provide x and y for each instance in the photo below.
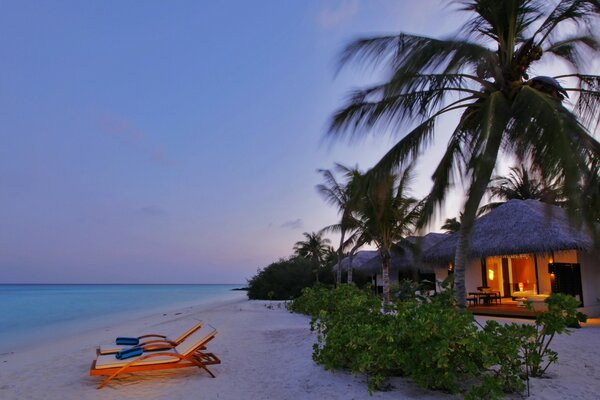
(338, 14)
(295, 224)
(152, 210)
(126, 132)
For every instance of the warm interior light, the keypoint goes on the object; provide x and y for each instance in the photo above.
(520, 286)
(491, 274)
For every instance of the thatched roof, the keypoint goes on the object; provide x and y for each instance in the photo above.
(401, 260)
(404, 257)
(359, 258)
(516, 227)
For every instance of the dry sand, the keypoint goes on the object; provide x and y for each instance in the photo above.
(265, 353)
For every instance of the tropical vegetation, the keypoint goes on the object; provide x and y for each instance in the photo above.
(285, 279)
(315, 248)
(386, 215)
(344, 196)
(482, 74)
(430, 341)
(522, 183)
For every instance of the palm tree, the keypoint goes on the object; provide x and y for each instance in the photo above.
(387, 215)
(482, 74)
(522, 184)
(452, 225)
(354, 242)
(343, 196)
(314, 248)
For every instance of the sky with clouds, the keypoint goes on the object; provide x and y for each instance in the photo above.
(178, 141)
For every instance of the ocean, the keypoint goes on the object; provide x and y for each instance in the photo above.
(29, 313)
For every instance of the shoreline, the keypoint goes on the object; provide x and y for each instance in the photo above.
(93, 318)
(135, 323)
(266, 354)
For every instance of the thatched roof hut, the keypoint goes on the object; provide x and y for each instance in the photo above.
(359, 259)
(405, 257)
(516, 227)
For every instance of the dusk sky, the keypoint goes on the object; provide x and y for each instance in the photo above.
(178, 141)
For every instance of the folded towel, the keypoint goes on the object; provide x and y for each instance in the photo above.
(127, 341)
(129, 352)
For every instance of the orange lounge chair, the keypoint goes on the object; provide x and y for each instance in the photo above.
(187, 354)
(151, 342)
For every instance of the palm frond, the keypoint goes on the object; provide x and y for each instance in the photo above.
(377, 107)
(551, 137)
(587, 106)
(503, 22)
(442, 178)
(575, 50)
(577, 11)
(490, 121)
(416, 54)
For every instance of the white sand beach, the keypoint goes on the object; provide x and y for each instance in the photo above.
(265, 353)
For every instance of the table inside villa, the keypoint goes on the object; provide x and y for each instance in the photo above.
(486, 297)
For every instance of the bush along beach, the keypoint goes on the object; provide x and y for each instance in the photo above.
(430, 341)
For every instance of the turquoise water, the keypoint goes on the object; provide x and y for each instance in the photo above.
(31, 312)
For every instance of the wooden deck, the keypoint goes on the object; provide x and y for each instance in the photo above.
(503, 310)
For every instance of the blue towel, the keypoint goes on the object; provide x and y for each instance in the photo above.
(129, 352)
(127, 341)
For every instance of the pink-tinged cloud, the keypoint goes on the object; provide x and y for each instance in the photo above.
(128, 133)
(338, 14)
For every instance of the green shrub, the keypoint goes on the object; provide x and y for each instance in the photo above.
(320, 299)
(285, 279)
(561, 315)
(430, 341)
(351, 331)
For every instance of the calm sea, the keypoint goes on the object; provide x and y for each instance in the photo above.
(32, 312)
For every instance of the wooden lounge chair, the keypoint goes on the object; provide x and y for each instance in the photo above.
(151, 341)
(188, 353)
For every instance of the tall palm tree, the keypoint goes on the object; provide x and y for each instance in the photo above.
(314, 247)
(482, 74)
(386, 215)
(522, 183)
(343, 196)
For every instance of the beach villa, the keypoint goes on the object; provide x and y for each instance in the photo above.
(525, 249)
(406, 260)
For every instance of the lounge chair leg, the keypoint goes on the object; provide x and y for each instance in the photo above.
(207, 370)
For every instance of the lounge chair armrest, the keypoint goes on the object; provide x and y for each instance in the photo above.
(152, 335)
(160, 341)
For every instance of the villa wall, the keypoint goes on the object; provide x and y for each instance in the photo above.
(590, 281)
(544, 282)
(473, 276)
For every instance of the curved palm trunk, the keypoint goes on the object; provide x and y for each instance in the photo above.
(461, 256)
(460, 263)
(385, 261)
(338, 277)
(349, 278)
